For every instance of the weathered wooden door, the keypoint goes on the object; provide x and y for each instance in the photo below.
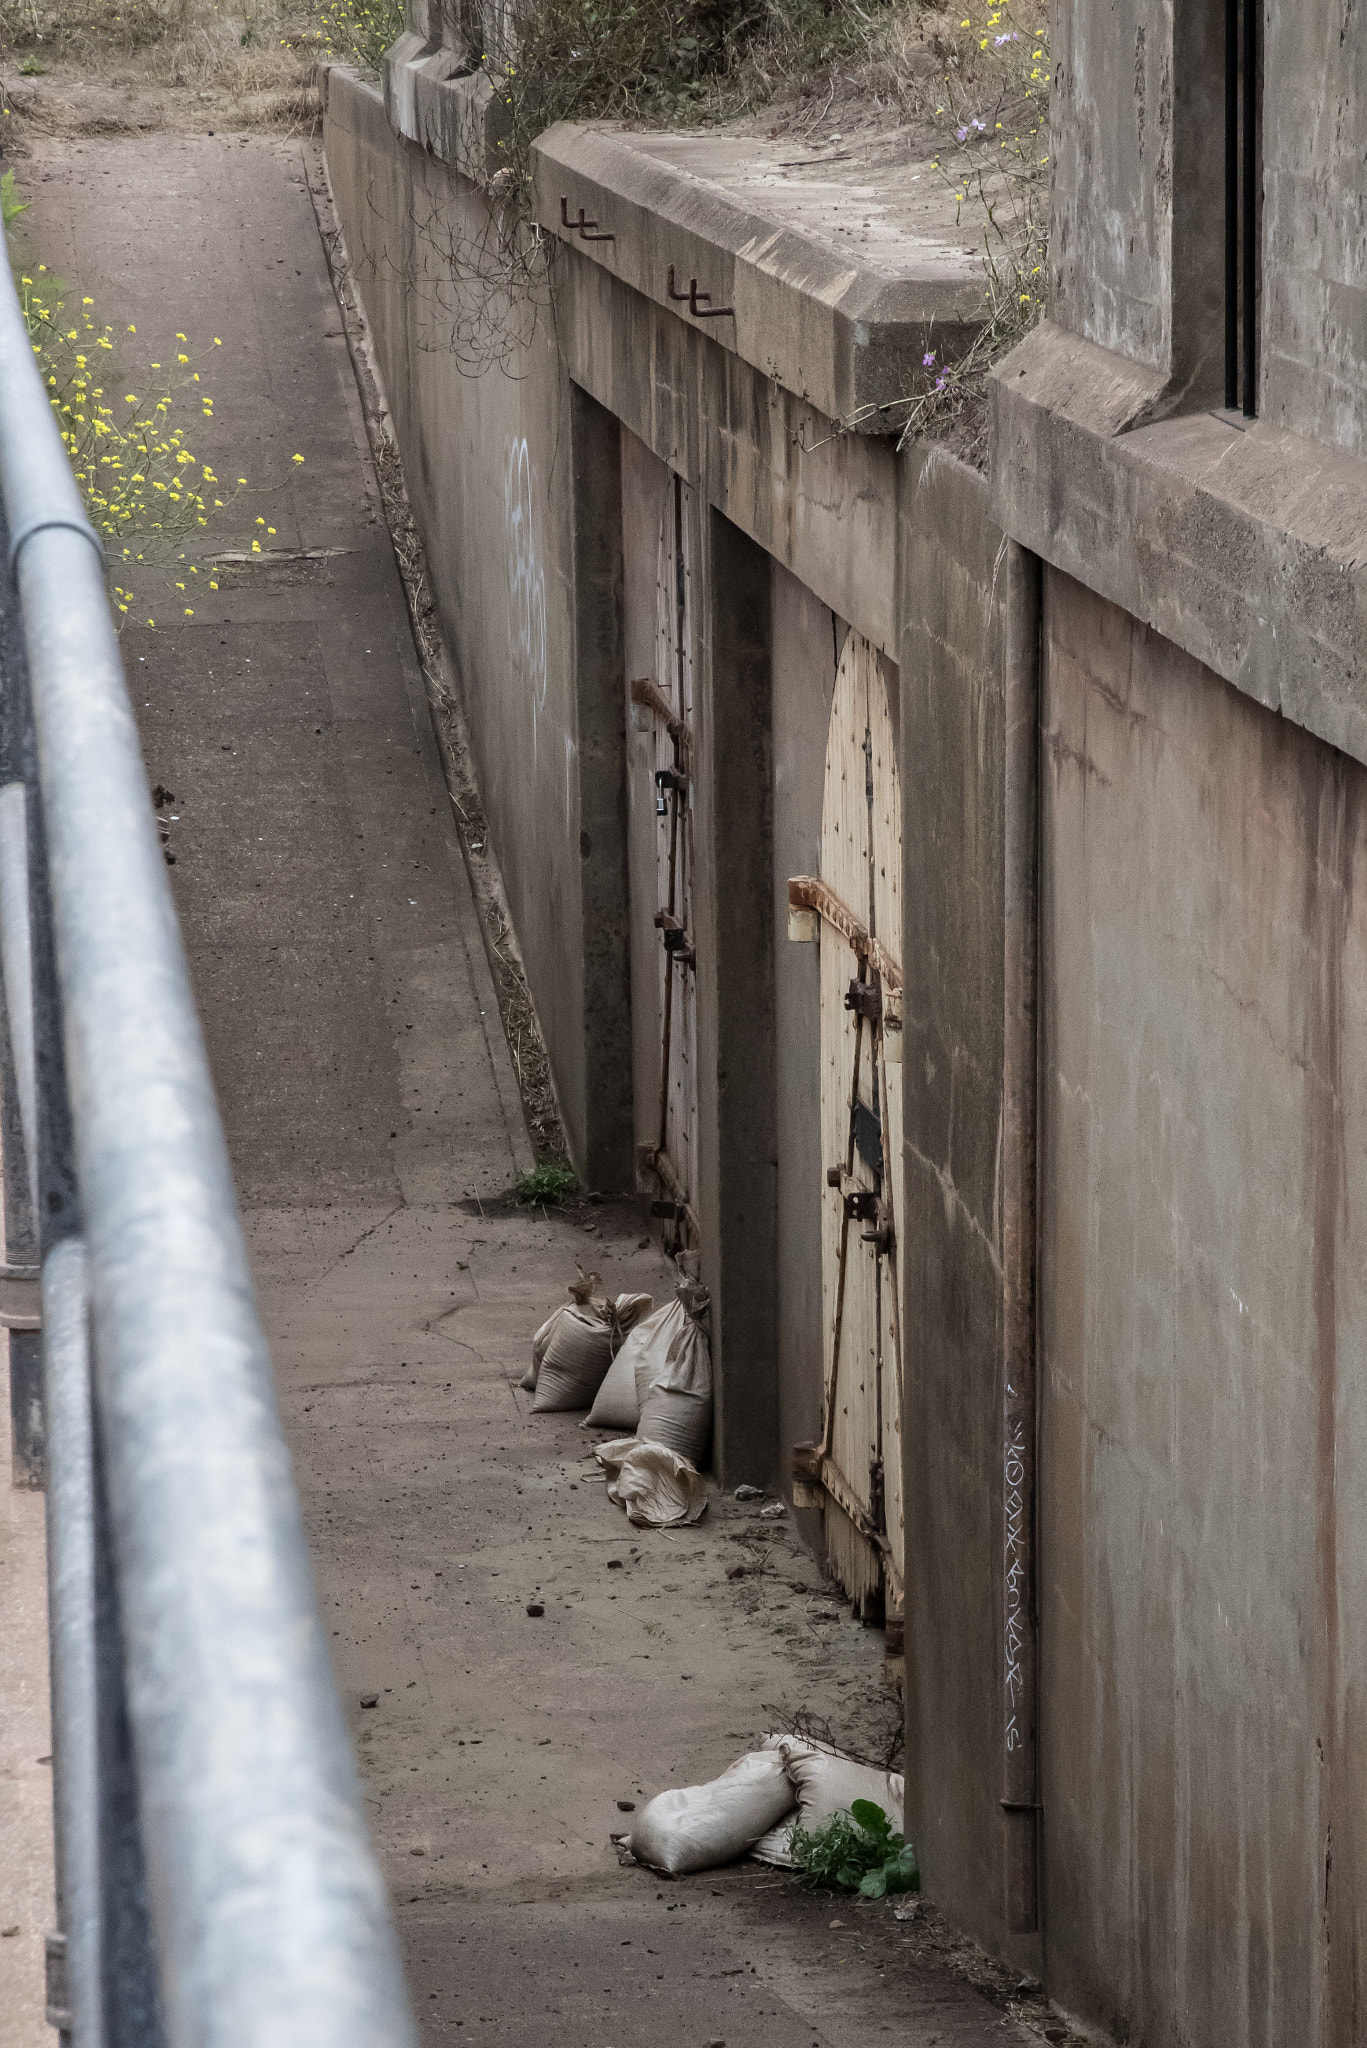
(855, 1473)
(668, 695)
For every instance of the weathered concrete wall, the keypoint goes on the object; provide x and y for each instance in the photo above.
(488, 465)
(1137, 142)
(1314, 306)
(950, 599)
(1203, 1524)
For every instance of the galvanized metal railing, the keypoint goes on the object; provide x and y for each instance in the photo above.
(215, 1883)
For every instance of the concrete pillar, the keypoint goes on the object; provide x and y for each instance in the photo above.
(604, 1150)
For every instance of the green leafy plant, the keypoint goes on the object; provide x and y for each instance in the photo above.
(11, 205)
(551, 1184)
(856, 1850)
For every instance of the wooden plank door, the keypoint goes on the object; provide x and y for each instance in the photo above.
(856, 1472)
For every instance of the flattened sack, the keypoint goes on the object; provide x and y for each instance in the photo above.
(656, 1486)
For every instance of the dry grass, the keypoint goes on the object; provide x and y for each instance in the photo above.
(99, 66)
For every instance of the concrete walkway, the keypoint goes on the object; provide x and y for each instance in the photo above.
(375, 1130)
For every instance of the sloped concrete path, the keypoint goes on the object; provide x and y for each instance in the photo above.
(375, 1129)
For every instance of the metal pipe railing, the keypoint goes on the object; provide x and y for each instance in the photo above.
(216, 1885)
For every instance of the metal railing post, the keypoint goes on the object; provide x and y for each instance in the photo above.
(18, 1151)
(217, 1888)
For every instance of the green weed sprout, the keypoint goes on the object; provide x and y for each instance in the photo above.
(856, 1850)
(551, 1184)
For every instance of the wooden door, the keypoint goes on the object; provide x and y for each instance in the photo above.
(671, 1155)
(855, 1473)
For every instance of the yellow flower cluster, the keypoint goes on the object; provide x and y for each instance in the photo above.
(144, 488)
(361, 29)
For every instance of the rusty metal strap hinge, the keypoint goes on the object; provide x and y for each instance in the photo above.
(21, 1300)
(815, 1472)
(809, 892)
(646, 692)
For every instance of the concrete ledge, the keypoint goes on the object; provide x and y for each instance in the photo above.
(846, 335)
(1244, 545)
(435, 97)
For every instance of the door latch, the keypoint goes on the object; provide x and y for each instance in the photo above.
(865, 999)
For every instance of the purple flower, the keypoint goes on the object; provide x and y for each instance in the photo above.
(940, 383)
(928, 358)
(961, 134)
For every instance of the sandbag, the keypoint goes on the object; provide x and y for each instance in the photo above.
(701, 1826)
(824, 1782)
(655, 1485)
(615, 1405)
(673, 1364)
(573, 1349)
(571, 1341)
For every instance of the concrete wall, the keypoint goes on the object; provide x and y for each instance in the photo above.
(951, 602)
(1314, 309)
(488, 466)
(1137, 142)
(1203, 1177)
(1136, 256)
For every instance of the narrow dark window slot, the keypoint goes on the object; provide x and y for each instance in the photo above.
(1243, 191)
(1232, 203)
(1252, 182)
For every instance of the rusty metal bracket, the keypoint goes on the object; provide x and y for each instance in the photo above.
(815, 1472)
(861, 1206)
(865, 998)
(883, 1235)
(809, 892)
(677, 938)
(586, 227)
(646, 692)
(695, 300)
(653, 1159)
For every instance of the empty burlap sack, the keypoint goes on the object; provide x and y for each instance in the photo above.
(673, 1365)
(655, 1485)
(700, 1826)
(823, 1782)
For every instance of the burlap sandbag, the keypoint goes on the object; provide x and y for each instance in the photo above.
(701, 1826)
(673, 1365)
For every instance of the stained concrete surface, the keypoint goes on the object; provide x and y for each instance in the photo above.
(374, 1129)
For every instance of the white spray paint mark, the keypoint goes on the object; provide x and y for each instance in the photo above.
(526, 580)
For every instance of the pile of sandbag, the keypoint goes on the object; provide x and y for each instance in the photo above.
(752, 1808)
(645, 1370)
(660, 1382)
(573, 1350)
